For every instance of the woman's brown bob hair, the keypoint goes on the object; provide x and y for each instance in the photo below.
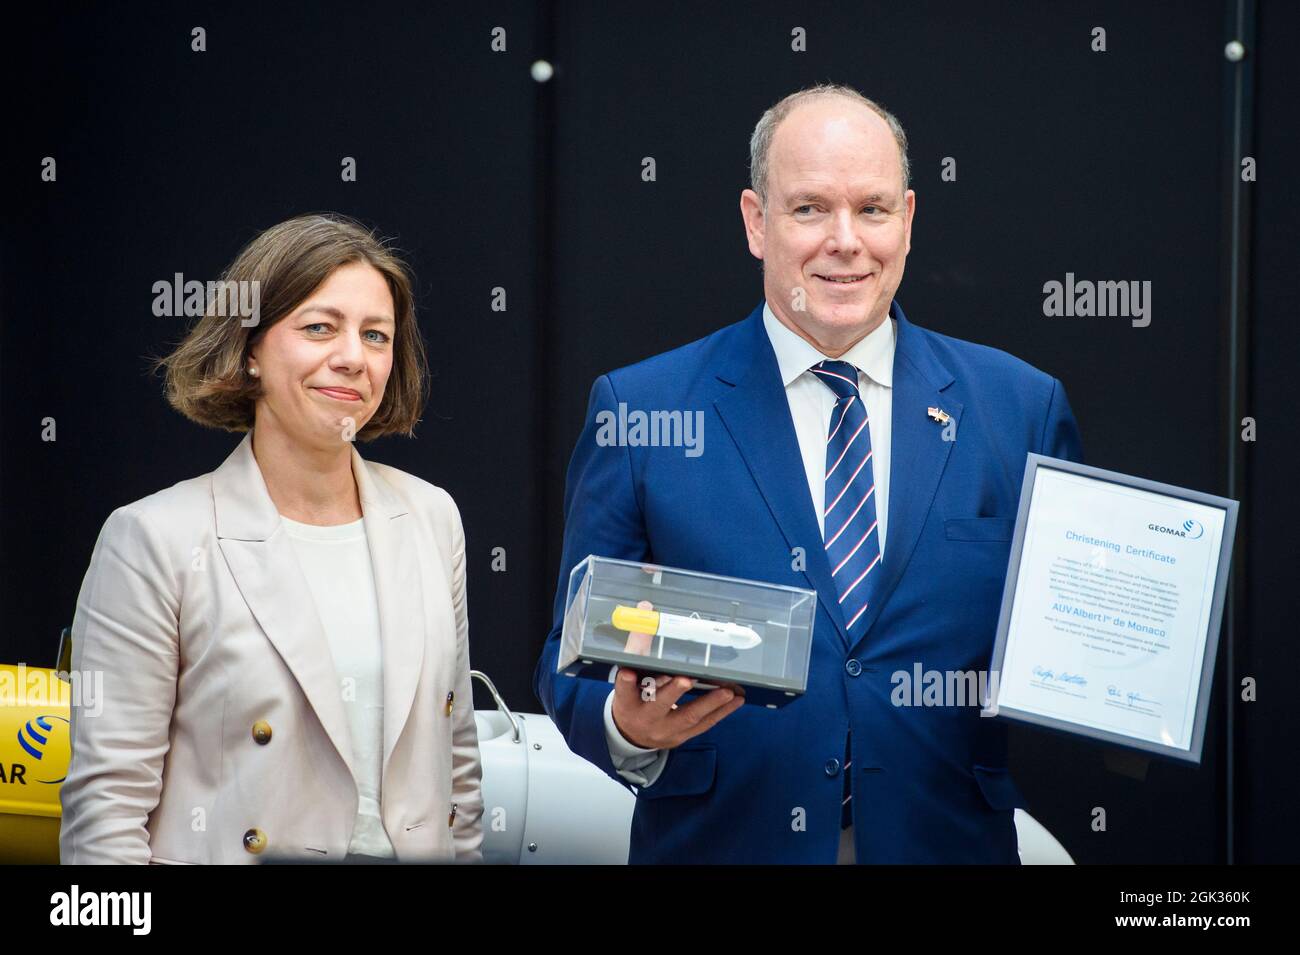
(207, 374)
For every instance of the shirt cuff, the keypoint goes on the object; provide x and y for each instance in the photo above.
(636, 764)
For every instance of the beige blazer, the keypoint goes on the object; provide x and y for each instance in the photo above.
(223, 736)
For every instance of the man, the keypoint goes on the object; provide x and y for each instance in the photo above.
(848, 451)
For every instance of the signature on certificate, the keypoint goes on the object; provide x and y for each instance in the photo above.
(1115, 694)
(1051, 676)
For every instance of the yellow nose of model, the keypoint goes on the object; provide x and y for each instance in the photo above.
(636, 620)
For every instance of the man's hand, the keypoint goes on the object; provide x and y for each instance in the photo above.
(648, 716)
(658, 723)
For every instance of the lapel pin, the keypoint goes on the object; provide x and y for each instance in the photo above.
(450, 698)
(938, 414)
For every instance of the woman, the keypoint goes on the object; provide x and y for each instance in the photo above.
(283, 640)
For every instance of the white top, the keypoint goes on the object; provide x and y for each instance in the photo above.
(811, 404)
(336, 562)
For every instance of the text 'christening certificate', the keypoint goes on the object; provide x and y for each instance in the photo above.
(1117, 588)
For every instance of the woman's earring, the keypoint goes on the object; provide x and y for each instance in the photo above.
(252, 371)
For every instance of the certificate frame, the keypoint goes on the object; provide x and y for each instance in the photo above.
(1036, 464)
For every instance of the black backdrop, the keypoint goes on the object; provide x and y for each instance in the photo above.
(1112, 165)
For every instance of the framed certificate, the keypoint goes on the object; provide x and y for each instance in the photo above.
(1111, 610)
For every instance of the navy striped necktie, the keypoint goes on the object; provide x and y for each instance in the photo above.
(849, 515)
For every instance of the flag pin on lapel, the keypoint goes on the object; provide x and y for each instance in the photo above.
(938, 414)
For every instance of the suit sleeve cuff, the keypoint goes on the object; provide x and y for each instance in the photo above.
(620, 745)
(636, 764)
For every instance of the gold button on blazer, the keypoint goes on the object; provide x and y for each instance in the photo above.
(198, 615)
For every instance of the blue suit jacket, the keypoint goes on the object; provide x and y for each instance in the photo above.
(930, 783)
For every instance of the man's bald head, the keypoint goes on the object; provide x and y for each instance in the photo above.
(760, 142)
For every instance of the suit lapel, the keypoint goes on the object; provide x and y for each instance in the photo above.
(918, 454)
(399, 591)
(266, 570)
(756, 413)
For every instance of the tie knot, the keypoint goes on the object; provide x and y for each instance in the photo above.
(839, 376)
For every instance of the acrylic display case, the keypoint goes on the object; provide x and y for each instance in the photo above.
(715, 629)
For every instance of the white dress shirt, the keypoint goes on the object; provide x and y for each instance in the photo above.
(811, 404)
(336, 562)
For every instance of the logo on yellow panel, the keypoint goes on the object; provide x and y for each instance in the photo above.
(35, 737)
